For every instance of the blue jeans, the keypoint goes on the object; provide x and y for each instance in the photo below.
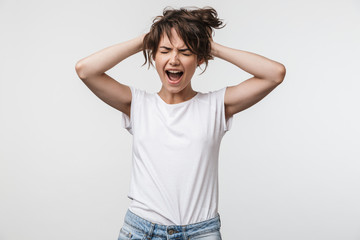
(137, 228)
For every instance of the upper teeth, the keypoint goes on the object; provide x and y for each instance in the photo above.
(174, 71)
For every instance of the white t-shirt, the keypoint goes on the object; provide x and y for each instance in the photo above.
(174, 179)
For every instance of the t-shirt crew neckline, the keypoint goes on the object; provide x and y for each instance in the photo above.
(176, 104)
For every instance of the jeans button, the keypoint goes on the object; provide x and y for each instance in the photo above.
(170, 231)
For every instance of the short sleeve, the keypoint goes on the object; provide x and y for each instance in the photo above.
(126, 121)
(226, 124)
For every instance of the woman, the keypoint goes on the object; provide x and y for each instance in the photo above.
(177, 131)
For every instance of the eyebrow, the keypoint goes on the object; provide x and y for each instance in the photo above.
(180, 50)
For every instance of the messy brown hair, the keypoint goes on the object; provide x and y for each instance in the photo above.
(194, 26)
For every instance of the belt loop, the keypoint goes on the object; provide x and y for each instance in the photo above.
(151, 231)
(184, 232)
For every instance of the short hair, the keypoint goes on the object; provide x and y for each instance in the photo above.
(194, 25)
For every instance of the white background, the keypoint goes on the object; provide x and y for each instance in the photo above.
(289, 167)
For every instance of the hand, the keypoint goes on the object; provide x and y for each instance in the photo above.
(214, 51)
(140, 40)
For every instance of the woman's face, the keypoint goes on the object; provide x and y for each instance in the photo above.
(175, 63)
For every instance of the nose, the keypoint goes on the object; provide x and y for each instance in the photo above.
(174, 60)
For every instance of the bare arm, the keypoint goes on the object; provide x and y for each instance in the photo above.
(91, 70)
(268, 74)
(103, 60)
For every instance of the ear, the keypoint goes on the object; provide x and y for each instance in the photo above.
(201, 61)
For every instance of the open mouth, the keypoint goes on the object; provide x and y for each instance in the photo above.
(174, 75)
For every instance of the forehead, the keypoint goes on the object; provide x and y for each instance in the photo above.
(175, 40)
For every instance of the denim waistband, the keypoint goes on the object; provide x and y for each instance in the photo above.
(142, 225)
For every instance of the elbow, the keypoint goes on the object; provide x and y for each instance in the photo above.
(281, 74)
(79, 68)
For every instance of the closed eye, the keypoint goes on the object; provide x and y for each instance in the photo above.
(185, 52)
